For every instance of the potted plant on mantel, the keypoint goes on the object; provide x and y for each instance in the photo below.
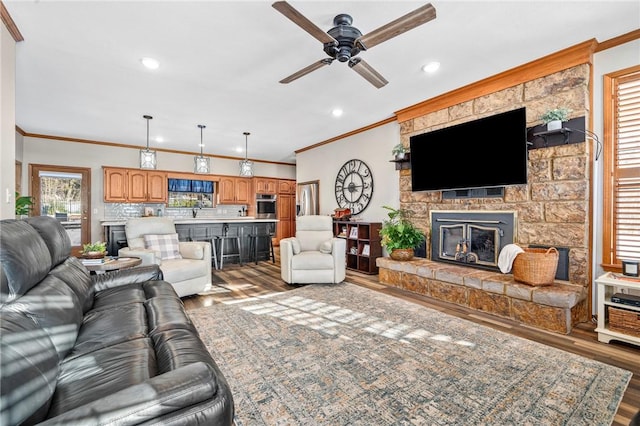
(553, 118)
(398, 235)
(399, 151)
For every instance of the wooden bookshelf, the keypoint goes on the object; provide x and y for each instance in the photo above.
(363, 244)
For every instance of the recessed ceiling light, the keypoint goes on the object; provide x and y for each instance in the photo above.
(239, 149)
(150, 63)
(159, 139)
(337, 112)
(431, 67)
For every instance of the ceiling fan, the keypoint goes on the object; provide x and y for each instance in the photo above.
(344, 42)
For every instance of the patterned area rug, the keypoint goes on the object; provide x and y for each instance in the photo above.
(345, 355)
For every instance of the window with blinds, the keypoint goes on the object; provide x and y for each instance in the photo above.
(622, 166)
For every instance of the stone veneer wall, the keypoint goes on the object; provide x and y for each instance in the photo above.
(553, 208)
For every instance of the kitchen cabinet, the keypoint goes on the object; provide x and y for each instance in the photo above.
(134, 186)
(234, 190)
(266, 186)
(286, 209)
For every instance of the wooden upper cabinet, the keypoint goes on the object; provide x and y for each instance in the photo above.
(286, 186)
(135, 186)
(157, 187)
(266, 186)
(115, 185)
(234, 190)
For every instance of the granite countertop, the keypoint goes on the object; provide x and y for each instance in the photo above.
(115, 222)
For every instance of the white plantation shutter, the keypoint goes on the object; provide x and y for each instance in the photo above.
(625, 191)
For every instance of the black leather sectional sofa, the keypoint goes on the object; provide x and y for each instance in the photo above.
(116, 348)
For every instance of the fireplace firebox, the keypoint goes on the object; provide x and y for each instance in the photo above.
(473, 238)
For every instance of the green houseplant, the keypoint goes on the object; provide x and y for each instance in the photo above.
(399, 151)
(553, 118)
(398, 235)
(94, 250)
(24, 204)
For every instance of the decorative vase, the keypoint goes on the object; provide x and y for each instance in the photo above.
(554, 125)
(402, 254)
(400, 156)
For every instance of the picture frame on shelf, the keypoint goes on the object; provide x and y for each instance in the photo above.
(366, 250)
(353, 233)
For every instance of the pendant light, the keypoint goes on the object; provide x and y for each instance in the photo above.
(246, 165)
(201, 162)
(147, 157)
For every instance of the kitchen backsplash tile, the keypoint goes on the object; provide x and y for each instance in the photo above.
(119, 211)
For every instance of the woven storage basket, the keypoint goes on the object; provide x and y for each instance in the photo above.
(624, 321)
(536, 266)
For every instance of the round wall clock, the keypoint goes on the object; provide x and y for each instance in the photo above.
(354, 186)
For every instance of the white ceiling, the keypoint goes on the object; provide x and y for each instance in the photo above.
(79, 73)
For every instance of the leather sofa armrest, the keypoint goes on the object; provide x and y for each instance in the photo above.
(147, 256)
(126, 276)
(166, 393)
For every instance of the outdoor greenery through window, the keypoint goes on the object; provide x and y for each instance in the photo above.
(622, 166)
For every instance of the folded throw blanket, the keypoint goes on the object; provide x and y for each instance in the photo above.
(507, 256)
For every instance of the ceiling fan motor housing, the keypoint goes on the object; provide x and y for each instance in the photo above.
(346, 36)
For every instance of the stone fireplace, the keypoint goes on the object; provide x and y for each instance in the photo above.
(472, 238)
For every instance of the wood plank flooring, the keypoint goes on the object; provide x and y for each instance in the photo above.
(251, 280)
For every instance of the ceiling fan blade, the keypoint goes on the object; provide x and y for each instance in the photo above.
(365, 70)
(287, 10)
(306, 70)
(403, 24)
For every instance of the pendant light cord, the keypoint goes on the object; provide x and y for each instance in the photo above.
(202, 126)
(246, 145)
(147, 117)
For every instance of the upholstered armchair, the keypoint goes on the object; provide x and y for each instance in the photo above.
(186, 265)
(313, 255)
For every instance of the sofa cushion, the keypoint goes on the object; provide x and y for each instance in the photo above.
(295, 246)
(77, 277)
(325, 247)
(54, 236)
(310, 260)
(177, 348)
(102, 372)
(25, 259)
(179, 270)
(29, 366)
(136, 228)
(167, 245)
(55, 308)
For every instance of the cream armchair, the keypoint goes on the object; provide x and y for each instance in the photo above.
(313, 255)
(186, 265)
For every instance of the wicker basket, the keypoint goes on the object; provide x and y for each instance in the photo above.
(536, 266)
(624, 321)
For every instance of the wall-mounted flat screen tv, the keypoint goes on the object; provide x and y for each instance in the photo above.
(489, 152)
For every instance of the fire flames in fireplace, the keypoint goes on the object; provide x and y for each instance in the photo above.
(473, 238)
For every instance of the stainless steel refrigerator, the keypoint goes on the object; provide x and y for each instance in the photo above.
(307, 202)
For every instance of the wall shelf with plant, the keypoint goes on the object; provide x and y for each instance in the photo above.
(401, 157)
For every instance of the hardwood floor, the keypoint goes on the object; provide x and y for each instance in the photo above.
(251, 280)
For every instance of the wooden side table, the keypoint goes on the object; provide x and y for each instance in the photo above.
(115, 264)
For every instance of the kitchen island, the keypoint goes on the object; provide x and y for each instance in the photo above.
(198, 229)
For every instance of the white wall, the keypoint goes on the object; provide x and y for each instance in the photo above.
(7, 123)
(607, 61)
(63, 153)
(374, 148)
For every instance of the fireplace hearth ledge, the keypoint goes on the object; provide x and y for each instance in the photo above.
(557, 307)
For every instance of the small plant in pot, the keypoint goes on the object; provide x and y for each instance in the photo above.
(399, 236)
(24, 204)
(553, 118)
(399, 151)
(95, 250)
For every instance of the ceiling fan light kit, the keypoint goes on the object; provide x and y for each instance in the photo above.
(344, 42)
(148, 157)
(201, 162)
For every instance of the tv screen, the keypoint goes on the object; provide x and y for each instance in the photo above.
(488, 152)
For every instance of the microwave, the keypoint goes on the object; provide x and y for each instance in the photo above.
(266, 207)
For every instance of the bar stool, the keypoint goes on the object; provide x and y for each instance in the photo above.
(255, 243)
(224, 240)
(210, 240)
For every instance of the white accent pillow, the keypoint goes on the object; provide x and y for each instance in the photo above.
(325, 247)
(295, 245)
(166, 244)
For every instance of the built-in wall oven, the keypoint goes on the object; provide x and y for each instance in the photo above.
(266, 207)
